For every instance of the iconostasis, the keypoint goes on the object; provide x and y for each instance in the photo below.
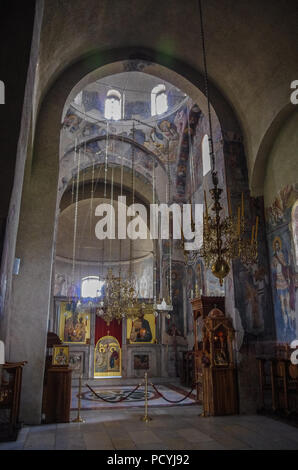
(128, 348)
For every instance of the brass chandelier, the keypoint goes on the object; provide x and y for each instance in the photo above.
(120, 299)
(224, 238)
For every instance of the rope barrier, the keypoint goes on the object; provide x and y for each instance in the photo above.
(113, 401)
(172, 401)
(134, 390)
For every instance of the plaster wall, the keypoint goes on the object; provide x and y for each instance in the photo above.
(22, 169)
(282, 167)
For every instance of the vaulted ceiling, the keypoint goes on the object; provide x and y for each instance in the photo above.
(251, 52)
(251, 55)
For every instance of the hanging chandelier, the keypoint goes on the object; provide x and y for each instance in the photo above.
(120, 294)
(224, 238)
(120, 298)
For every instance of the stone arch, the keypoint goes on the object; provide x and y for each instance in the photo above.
(36, 231)
(258, 173)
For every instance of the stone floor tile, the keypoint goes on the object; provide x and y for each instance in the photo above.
(68, 426)
(193, 435)
(210, 445)
(144, 437)
(97, 441)
(70, 444)
(172, 428)
(178, 444)
(19, 443)
(166, 433)
(43, 428)
(121, 443)
(40, 441)
(152, 446)
(14, 445)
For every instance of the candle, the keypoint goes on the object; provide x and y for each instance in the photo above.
(257, 223)
(238, 229)
(229, 203)
(252, 234)
(242, 205)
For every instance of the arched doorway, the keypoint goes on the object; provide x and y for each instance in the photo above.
(36, 240)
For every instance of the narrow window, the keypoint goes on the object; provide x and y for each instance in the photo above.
(2, 92)
(113, 105)
(91, 287)
(78, 99)
(206, 155)
(159, 100)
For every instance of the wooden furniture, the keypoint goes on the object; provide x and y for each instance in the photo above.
(220, 391)
(57, 396)
(278, 382)
(52, 340)
(261, 366)
(10, 393)
(57, 387)
(201, 306)
(187, 375)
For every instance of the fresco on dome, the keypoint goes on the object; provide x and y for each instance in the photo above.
(163, 138)
(71, 122)
(188, 132)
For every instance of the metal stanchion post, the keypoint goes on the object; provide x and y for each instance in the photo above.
(146, 418)
(78, 419)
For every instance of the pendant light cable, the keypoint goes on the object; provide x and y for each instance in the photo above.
(207, 89)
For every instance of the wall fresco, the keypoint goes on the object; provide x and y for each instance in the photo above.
(284, 270)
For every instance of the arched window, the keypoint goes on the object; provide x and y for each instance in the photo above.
(2, 92)
(159, 100)
(206, 155)
(91, 287)
(295, 229)
(113, 105)
(78, 99)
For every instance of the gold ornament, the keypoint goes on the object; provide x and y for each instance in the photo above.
(220, 269)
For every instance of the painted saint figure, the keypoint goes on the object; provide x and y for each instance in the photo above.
(75, 329)
(61, 358)
(141, 331)
(107, 357)
(113, 358)
(283, 283)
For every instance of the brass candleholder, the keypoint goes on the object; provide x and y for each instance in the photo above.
(78, 419)
(146, 418)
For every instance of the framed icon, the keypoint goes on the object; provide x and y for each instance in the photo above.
(60, 355)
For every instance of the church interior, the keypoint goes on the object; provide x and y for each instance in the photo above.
(149, 225)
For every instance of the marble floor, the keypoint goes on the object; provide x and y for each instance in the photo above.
(172, 428)
(171, 391)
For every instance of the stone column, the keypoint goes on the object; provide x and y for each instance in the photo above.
(31, 289)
